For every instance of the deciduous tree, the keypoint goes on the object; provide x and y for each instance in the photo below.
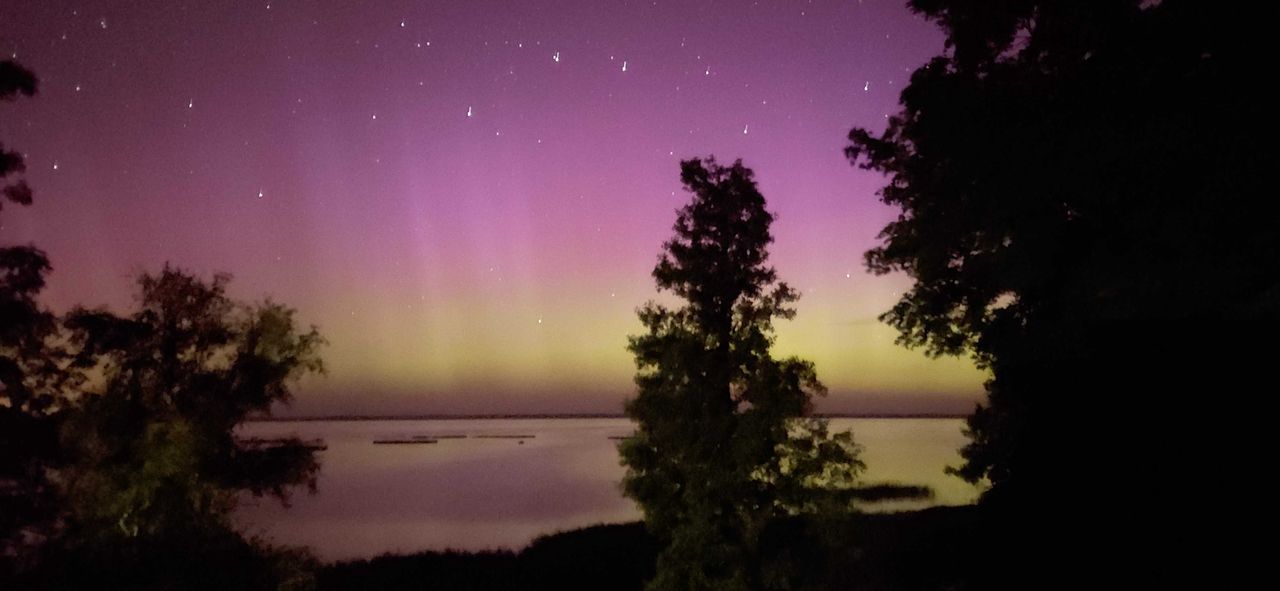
(31, 376)
(1086, 209)
(156, 464)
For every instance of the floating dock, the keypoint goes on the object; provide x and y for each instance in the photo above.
(265, 442)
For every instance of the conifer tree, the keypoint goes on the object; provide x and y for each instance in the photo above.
(722, 443)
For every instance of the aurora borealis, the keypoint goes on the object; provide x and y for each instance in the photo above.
(466, 197)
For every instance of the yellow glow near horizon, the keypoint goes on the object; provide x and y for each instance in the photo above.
(524, 343)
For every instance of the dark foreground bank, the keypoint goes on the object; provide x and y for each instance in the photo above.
(929, 549)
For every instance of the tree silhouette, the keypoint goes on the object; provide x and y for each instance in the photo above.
(118, 463)
(721, 446)
(14, 80)
(31, 379)
(1081, 192)
(156, 467)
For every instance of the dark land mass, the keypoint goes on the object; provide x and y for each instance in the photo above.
(302, 419)
(933, 548)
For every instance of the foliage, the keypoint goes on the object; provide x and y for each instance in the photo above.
(153, 465)
(31, 378)
(1073, 176)
(206, 560)
(721, 445)
(31, 392)
(155, 447)
(116, 433)
(14, 80)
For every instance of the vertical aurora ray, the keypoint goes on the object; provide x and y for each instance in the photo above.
(431, 191)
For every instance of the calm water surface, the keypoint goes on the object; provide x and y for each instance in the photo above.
(475, 493)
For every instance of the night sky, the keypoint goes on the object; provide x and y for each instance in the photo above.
(467, 197)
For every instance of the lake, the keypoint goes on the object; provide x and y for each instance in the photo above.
(490, 490)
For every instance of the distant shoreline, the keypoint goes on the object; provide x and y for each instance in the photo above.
(477, 417)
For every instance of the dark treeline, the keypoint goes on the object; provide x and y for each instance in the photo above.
(930, 549)
(473, 417)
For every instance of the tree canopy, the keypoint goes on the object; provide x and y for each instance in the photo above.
(722, 445)
(14, 80)
(1083, 209)
(119, 463)
(155, 466)
(31, 380)
(181, 373)
(1068, 166)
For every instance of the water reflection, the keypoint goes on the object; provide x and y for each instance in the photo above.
(475, 493)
